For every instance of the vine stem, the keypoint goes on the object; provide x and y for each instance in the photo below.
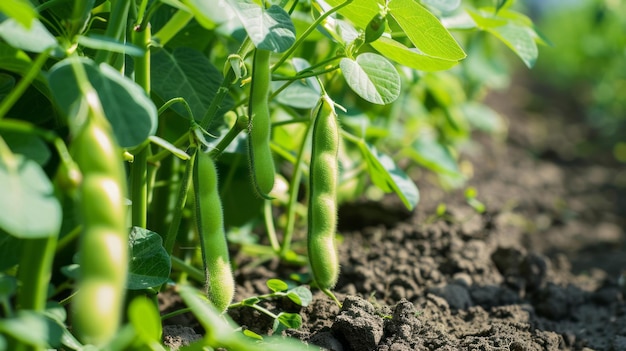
(307, 32)
(139, 167)
(115, 29)
(293, 195)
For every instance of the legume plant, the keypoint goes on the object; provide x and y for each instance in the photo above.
(143, 144)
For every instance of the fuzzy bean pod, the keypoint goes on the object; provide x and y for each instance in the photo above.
(97, 305)
(260, 154)
(210, 224)
(322, 215)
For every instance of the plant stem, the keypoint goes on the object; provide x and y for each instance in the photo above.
(269, 225)
(139, 168)
(308, 31)
(34, 273)
(194, 273)
(23, 84)
(294, 187)
(172, 27)
(172, 233)
(224, 88)
(115, 29)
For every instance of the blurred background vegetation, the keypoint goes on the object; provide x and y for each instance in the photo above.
(586, 66)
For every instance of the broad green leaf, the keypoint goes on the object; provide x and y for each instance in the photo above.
(424, 30)
(288, 320)
(130, 111)
(8, 286)
(269, 29)
(300, 295)
(20, 10)
(149, 262)
(28, 207)
(372, 77)
(34, 39)
(386, 175)
(220, 331)
(187, 73)
(359, 12)
(443, 5)
(144, 317)
(483, 117)
(249, 333)
(7, 83)
(29, 145)
(14, 60)
(32, 328)
(101, 42)
(303, 93)
(520, 39)
(277, 285)
(10, 248)
(434, 156)
(411, 58)
(209, 13)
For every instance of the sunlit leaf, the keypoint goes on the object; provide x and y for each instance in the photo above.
(269, 29)
(411, 57)
(424, 30)
(130, 111)
(386, 175)
(34, 39)
(372, 77)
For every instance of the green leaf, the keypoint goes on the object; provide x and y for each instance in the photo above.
(187, 73)
(251, 301)
(34, 39)
(424, 30)
(28, 207)
(144, 316)
(101, 42)
(130, 111)
(32, 328)
(289, 320)
(372, 77)
(443, 5)
(434, 156)
(410, 57)
(10, 248)
(249, 333)
(277, 285)
(20, 10)
(359, 12)
(149, 262)
(29, 145)
(520, 39)
(269, 29)
(217, 329)
(300, 295)
(8, 286)
(302, 93)
(386, 175)
(14, 60)
(483, 117)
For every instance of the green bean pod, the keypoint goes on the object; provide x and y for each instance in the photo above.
(210, 225)
(322, 215)
(103, 251)
(260, 154)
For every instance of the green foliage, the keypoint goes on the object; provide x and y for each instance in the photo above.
(400, 83)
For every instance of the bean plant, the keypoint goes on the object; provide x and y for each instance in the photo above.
(144, 144)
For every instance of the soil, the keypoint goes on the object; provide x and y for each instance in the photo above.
(540, 269)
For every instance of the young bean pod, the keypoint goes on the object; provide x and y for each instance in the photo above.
(97, 305)
(210, 224)
(322, 215)
(260, 154)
